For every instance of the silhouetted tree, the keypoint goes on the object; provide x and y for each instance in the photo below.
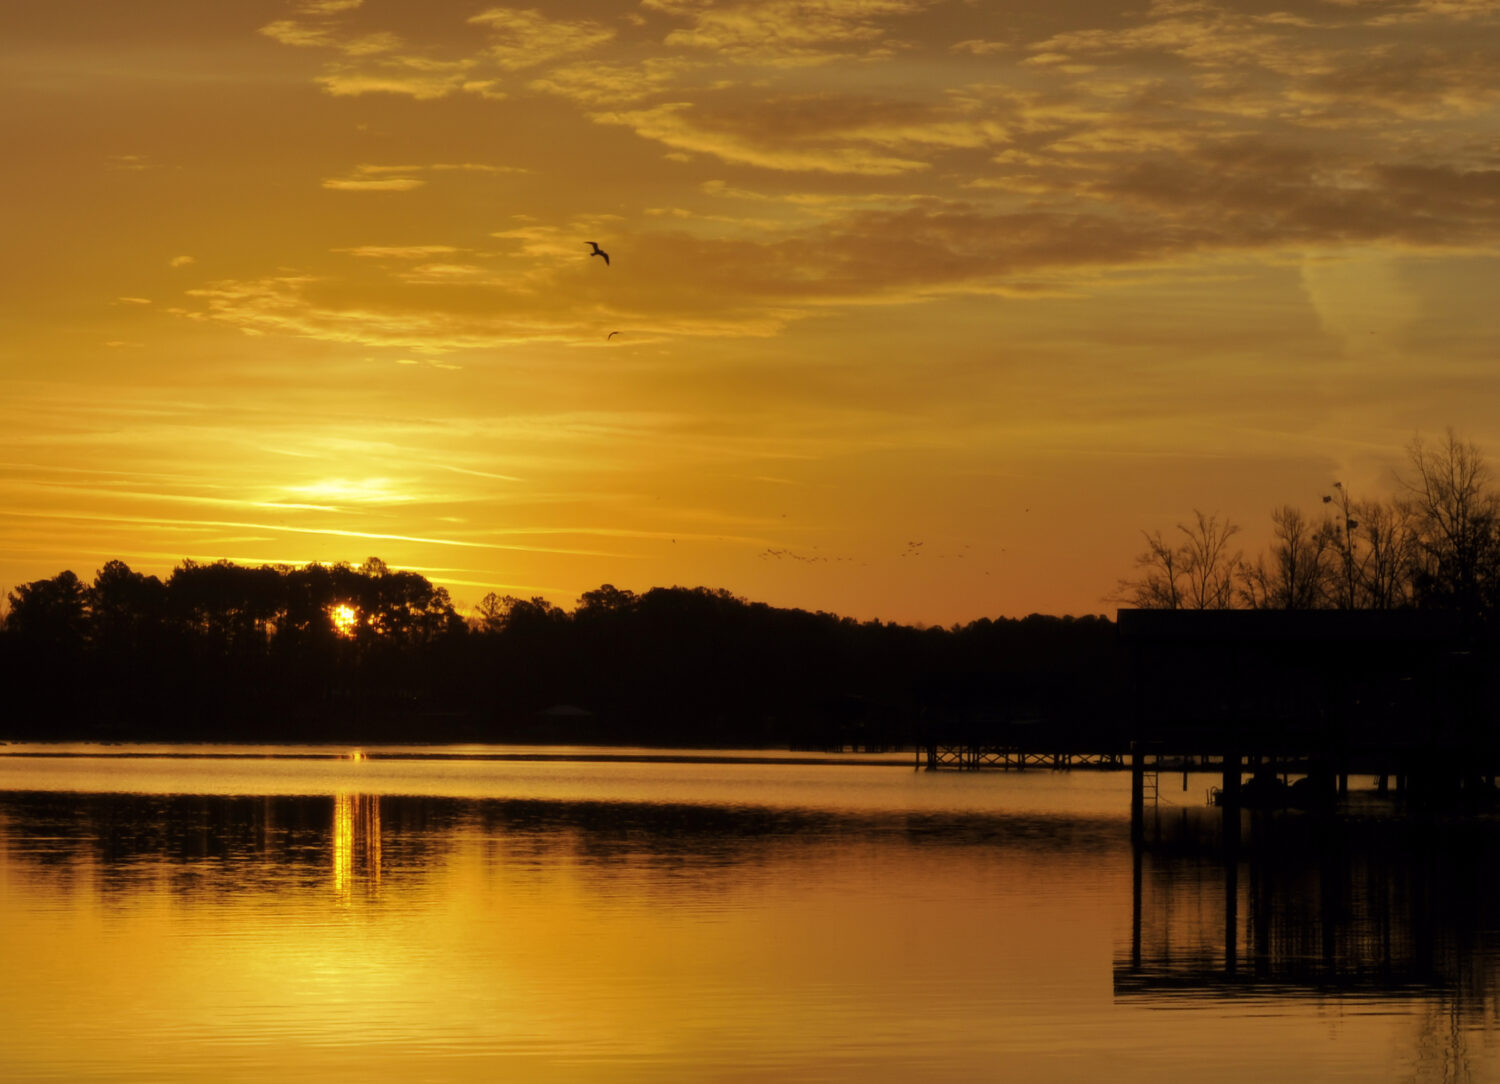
(490, 613)
(1388, 565)
(606, 600)
(124, 607)
(523, 617)
(45, 633)
(235, 607)
(51, 611)
(1340, 530)
(1295, 575)
(403, 606)
(1458, 525)
(1198, 573)
(1436, 546)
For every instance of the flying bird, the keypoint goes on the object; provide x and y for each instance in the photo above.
(599, 252)
(611, 335)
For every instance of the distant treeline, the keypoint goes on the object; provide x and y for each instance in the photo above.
(1433, 544)
(222, 652)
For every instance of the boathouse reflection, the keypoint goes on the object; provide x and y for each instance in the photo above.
(1303, 902)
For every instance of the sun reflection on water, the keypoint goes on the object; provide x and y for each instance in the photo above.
(356, 842)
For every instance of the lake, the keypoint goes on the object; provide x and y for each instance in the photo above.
(188, 913)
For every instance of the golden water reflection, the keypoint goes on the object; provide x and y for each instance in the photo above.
(182, 937)
(356, 843)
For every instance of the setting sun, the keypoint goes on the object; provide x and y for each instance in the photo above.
(345, 619)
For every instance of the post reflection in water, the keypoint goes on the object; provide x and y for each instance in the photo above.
(356, 843)
(1352, 910)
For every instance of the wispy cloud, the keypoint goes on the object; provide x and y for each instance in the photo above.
(273, 529)
(597, 83)
(408, 76)
(370, 177)
(400, 252)
(130, 163)
(373, 184)
(525, 38)
(328, 7)
(788, 32)
(685, 127)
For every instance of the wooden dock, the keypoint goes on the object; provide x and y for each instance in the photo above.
(971, 757)
(1271, 701)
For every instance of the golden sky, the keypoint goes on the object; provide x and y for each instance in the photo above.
(307, 280)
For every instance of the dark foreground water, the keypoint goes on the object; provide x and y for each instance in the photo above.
(306, 916)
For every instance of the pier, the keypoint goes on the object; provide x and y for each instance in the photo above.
(1283, 705)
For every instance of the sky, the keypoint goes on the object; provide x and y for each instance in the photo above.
(925, 309)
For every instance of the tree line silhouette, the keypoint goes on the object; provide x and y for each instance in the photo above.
(222, 652)
(1434, 544)
(219, 652)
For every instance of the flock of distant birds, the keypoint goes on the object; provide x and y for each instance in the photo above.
(913, 548)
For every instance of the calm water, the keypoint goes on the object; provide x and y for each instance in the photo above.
(293, 915)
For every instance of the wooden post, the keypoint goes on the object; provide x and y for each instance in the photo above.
(1230, 790)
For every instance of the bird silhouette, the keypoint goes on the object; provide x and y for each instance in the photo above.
(611, 335)
(599, 252)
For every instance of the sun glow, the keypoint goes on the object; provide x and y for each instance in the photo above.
(345, 619)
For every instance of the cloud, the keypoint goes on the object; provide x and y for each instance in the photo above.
(200, 525)
(679, 284)
(399, 252)
(129, 163)
(1359, 298)
(300, 35)
(377, 62)
(857, 134)
(980, 47)
(787, 32)
(526, 38)
(1417, 83)
(684, 127)
(411, 76)
(180, 261)
(370, 177)
(459, 315)
(373, 184)
(1428, 11)
(1251, 194)
(473, 167)
(455, 274)
(602, 83)
(1167, 135)
(1202, 34)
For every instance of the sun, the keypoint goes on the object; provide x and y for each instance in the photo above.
(345, 619)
